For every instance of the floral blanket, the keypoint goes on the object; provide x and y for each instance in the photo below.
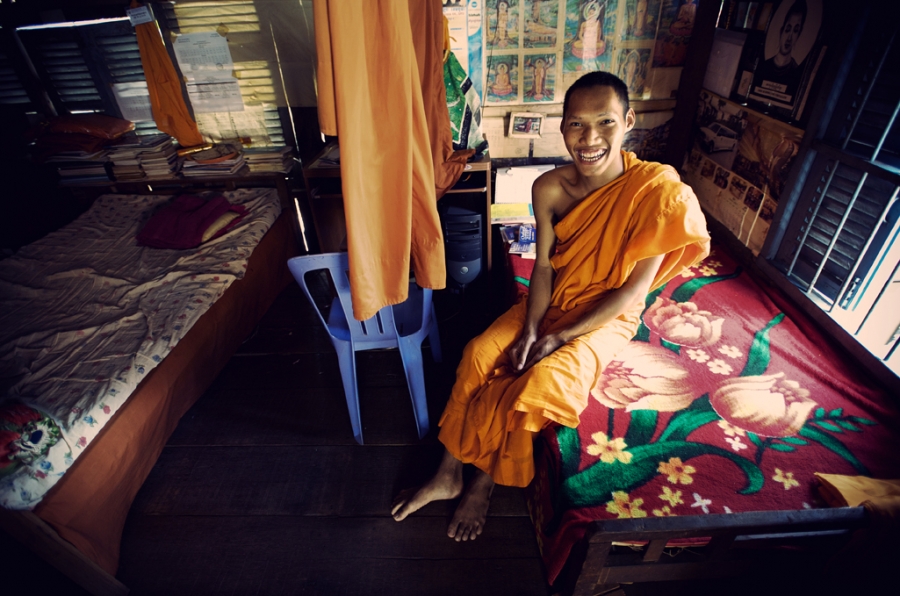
(722, 403)
(86, 314)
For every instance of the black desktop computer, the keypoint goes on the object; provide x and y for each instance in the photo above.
(463, 244)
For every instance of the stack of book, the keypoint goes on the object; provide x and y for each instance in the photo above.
(269, 159)
(77, 167)
(135, 158)
(220, 160)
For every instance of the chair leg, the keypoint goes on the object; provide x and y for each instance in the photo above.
(411, 353)
(434, 337)
(347, 363)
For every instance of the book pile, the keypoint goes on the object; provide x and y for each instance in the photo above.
(521, 240)
(269, 159)
(220, 160)
(76, 167)
(135, 158)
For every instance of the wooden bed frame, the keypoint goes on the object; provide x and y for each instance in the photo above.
(736, 543)
(78, 525)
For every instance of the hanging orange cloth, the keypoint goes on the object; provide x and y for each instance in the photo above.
(381, 92)
(169, 109)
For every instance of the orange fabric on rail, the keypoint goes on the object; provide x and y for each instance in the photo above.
(380, 91)
(493, 412)
(170, 112)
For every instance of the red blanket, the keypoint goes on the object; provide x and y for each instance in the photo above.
(720, 404)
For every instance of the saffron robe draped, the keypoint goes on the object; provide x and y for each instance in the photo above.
(493, 411)
(170, 112)
(381, 92)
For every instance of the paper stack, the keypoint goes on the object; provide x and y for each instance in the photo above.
(269, 159)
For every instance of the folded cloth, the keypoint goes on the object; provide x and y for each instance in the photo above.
(852, 491)
(187, 220)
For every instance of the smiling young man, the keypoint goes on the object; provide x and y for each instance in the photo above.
(610, 228)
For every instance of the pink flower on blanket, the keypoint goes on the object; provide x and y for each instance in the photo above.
(683, 323)
(768, 405)
(644, 377)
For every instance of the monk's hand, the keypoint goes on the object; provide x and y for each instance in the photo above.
(518, 352)
(542, 348)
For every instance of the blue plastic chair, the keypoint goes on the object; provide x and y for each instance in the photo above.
(402, 326)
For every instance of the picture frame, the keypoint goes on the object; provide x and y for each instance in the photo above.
(525, 124)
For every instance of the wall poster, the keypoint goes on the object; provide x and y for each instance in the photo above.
(464, 22)
(738, 165)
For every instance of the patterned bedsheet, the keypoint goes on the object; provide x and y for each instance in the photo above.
(86, 314)
(722, 403)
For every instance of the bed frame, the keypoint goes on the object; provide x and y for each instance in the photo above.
(82, 501)
(737, 543)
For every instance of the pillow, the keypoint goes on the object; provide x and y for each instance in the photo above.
(188, 221)
(219, 225)
(96, 125)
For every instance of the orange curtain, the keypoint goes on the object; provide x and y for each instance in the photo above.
(169, 109)
(381, 92)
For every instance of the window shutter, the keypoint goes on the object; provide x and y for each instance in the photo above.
(79, 64)
(830, 245)
(12, 91)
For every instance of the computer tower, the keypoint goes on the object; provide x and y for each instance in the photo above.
(463, 244)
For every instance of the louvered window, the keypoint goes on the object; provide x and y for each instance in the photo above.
(841, 245)
(79, 62)
(12, 91)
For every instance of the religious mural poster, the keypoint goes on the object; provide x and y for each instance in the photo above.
(501, 24)
(541, 23)
(540, 78)
(641, 19)
(676, 24)
(633, 69)
(503, 78)
(590, 31)
(790, 56)
(535, 49)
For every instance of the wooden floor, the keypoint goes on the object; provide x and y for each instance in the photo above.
(262, 490)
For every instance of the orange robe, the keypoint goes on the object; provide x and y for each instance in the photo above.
(381, 92)
(493, 412)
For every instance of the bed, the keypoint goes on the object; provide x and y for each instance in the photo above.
(92, 389)
(703, 439)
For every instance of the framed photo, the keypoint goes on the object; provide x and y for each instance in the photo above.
(525, 124)
(789, 58)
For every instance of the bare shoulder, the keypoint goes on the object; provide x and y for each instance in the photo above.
(554, 186)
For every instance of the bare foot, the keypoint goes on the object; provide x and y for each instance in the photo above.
(469, 517)
(447, 483)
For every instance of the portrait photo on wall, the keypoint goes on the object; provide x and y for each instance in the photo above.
(789, 59)
(525, 124)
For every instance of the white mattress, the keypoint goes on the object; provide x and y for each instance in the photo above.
(85, 314)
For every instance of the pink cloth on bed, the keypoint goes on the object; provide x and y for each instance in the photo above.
(181, 223)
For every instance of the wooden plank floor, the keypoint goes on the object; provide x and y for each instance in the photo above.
(262, 489)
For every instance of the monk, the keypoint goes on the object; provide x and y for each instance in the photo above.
(610, 228)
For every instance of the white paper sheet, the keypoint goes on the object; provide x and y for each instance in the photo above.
(513, 185)
(133, 100)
